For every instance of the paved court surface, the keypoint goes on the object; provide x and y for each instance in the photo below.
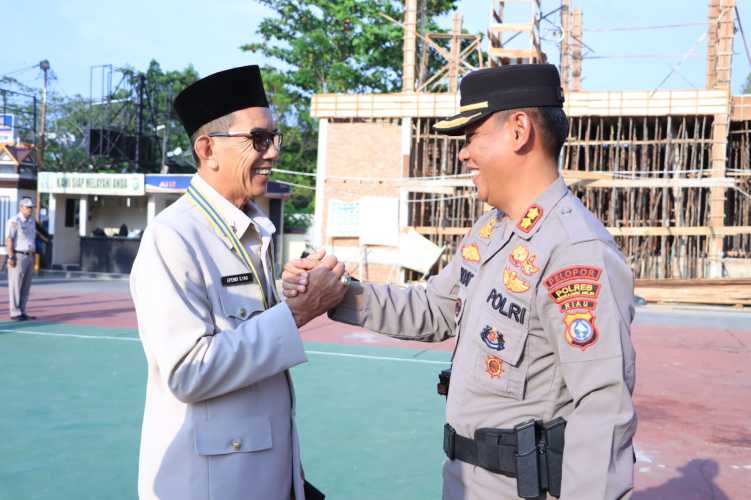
(73, 386)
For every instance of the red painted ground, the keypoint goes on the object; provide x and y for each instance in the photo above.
(693, 393)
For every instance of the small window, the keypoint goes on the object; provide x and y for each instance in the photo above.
(70, 212)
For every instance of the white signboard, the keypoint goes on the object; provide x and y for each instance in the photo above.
(101, 184)
(379, 221)
(418, 253)
(343, 219)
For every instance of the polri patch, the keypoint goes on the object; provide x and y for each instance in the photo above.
(237, 279)
(492, 338)
(580, 329)
(530, 219)
(505, 307)
(493, 366)
(573, 273)
(576, 290)
(471, 253)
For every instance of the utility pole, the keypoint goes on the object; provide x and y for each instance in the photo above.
(44, 65)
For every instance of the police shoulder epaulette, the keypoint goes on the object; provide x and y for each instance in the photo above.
(579, 223)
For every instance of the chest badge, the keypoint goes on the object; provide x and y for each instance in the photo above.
(493, 366)
(513, 282)
(471, 253)
(487, 229)
(521, 258)
(530, 219)
(492, 338)
(580, 329)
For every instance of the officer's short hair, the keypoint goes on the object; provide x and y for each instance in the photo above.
(221, 124)
(551, 123)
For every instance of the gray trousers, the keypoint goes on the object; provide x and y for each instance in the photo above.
(19, 283)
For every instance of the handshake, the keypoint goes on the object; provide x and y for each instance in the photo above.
(313, 285)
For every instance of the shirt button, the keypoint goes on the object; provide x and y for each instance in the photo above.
(236, 444)
(243, 312)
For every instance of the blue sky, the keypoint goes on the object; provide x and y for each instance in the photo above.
(77, 34)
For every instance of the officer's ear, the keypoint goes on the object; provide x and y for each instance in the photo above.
(204, 149)
(521, 130)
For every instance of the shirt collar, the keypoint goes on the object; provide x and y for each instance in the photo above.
(238, 220)
(534, 216)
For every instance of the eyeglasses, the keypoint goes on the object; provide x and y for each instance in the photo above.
(262, 139)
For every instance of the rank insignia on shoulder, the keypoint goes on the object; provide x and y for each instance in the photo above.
(471, 253)
(493, 366)
(487, 229)
(580, 329)
(530, 218)
(513, 282)
(520, 257)
(492, 338)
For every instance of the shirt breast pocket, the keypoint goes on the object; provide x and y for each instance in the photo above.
(499, 365)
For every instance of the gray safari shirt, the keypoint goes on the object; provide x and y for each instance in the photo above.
(23, 233)
(542, 309)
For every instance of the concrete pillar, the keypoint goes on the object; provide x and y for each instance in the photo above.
(319, 238)
(51, 214)
(150, 208)
(410, 46)
(83, 215)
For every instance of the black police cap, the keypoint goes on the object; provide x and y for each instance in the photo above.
(485, 91)
(220, 94)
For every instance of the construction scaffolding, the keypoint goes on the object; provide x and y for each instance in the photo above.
(667, 171)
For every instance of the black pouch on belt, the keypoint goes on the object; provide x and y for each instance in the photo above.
(527, 470)
(554, 432)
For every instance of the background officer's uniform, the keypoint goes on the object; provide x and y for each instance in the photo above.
(542, 308)
(22, 231)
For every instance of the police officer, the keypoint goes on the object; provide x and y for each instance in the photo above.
(20, 241)
(540, 298)
(219, 419)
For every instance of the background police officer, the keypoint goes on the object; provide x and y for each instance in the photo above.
(541, 300)
(20, 238)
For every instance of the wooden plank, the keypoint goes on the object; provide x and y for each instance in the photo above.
(720, 291)
(605, 103)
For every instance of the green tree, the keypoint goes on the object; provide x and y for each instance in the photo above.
(747, 86)
(319, 46)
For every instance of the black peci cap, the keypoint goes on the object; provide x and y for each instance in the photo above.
(485, 91)
(218, 95)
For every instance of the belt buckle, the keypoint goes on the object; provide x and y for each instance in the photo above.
(449, 441)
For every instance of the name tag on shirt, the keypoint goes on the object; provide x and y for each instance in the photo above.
(237, 279)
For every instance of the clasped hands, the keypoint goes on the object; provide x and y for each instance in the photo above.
(313, 285)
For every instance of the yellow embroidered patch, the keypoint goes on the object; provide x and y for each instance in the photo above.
(513, 282)
(487, 229)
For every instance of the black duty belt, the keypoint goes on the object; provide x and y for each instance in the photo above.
(531, 452)
(492, 449)
(21, 251)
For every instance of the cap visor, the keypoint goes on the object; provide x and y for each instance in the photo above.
(457, 123)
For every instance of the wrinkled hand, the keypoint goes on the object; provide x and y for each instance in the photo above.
(295, 275)
(324, 291)
(11, 262)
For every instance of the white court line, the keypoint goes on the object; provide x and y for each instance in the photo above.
(320, 353)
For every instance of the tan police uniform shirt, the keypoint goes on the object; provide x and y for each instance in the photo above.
(219, 419)
(542, 309)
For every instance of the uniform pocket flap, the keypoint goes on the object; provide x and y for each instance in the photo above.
(241, 302)
(502, 338)
(238, 436)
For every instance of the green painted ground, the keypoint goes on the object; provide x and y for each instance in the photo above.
(72, 407)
